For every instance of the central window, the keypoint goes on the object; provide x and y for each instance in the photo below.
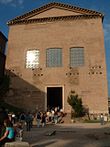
(76, 56)
(54, 57)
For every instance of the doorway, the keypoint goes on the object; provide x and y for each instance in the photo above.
(54, 97)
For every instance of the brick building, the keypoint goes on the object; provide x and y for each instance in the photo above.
(55, 49)
(3, 41)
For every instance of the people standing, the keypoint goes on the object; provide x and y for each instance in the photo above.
(28, 120)
(22, 118)
(43, 119)
(38, 117)
(101, 119)
(52, 115)
(56, 117)
(105, 118)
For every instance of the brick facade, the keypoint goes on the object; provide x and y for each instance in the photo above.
(76, 28)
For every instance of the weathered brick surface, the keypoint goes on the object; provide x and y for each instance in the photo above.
(90, 83)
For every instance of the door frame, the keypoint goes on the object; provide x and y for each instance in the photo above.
(53, 87)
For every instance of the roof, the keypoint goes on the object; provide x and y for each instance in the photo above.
(84, 13)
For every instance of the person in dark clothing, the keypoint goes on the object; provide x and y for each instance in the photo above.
(28, 120)
(43, 119)
(22, 118)
(38, 117)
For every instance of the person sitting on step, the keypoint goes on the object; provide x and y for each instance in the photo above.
(9, 134)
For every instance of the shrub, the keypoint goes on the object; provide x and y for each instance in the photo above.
(76, 103)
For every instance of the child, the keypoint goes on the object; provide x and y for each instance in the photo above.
(18, 131)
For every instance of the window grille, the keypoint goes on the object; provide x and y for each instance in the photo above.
(76, 56)
(32, 59)
(54, 57)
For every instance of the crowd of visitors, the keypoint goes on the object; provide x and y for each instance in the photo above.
(12, 125)
(54, 115)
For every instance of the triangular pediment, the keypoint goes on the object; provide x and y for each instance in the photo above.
(54, 10)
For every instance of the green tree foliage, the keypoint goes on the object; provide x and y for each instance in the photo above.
(76, 103)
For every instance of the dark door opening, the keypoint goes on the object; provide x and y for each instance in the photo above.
(54, 97)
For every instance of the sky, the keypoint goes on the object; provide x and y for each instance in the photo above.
(9, 9)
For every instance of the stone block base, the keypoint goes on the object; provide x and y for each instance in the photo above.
(17, 144)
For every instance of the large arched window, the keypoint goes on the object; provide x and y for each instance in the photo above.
(32, 58)
(54, 57)
(76, 56)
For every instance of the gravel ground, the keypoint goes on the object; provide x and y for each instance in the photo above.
(69, 135)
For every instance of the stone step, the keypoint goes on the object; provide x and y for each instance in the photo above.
(17, 144)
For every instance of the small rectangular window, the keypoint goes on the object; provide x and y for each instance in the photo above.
(76, 56)
(32, 59)
(54, 57)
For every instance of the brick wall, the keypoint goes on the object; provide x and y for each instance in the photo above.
(90, 82)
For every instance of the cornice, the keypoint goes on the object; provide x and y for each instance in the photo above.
(53, 19)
